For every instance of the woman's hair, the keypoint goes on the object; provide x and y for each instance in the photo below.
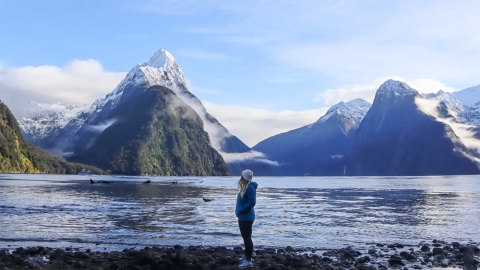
(242, 185)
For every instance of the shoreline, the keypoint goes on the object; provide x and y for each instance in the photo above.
(425, 255)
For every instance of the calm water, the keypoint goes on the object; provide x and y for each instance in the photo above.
(317, 212)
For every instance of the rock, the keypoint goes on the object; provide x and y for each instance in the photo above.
(222, 250)
(437, 251)
(198, 267)
(327, 260)
(142, 258)
(456, 245)
(19, 250)
(372, 251)
(361, 266)
(32, 251)
(114, 266)
(305, 263)
(81, 255)
(289, 249)
(411, 257)
(181, 255)
(166, 263)
(55, 256)
(59, 251)
(395, 260)
(425, 248)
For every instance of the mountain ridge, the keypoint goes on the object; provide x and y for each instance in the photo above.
(160, 135)
(161, 70)
(19, 156)
(397, 138)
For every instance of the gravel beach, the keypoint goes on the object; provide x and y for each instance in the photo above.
(425, 255)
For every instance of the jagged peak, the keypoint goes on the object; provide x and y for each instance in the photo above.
(162, 59)
(392, 88)
(441, 92)
(162, 69)
(355, 109)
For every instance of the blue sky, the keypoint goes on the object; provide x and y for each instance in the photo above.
(260, 67)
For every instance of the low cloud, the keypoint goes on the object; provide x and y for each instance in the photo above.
(247, 156)
(367, 91)
(78, 83)
(254, 125)
(102, 126)
(430, 107)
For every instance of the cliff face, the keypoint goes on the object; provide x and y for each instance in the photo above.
(397, 138)
(154, 133)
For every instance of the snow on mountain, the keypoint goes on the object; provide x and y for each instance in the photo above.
(392, 88)
(353, 109)
(457, 109)
(162, 69)
(464, 120)
(46, 118)
(454, 106)
(469, 97)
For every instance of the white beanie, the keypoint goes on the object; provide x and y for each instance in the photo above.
(247, 175)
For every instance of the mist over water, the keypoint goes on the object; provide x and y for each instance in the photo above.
(316, 212)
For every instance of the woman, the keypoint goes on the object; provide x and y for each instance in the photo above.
(246, 200)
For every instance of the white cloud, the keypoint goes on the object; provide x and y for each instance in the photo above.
(247, 156)
(254, 125)
(102, 126)
(367, 91)
(78, 83)
(349, 40)
(429, 106)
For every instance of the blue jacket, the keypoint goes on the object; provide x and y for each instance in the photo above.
(244, 208)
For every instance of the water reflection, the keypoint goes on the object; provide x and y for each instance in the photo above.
(316, 214)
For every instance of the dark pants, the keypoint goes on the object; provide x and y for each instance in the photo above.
(246, 232)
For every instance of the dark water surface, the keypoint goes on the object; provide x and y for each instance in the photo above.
(317, 212)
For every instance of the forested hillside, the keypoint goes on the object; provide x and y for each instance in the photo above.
(19, 156)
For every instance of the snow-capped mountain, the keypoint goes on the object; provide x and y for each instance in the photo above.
(469, 97)
(394, 89)
(402, 135)
(48, 119)
(465, 120)
(319, 148)
(352, 112)
(161, 70)
(452, 107)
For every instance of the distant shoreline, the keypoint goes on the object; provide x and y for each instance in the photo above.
(373, 256)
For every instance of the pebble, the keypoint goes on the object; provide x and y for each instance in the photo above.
(396, 256)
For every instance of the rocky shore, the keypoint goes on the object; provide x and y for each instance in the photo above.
(425, 255)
